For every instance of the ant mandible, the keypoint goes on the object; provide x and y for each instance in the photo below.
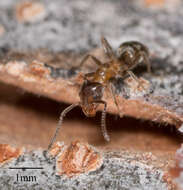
(128, 56)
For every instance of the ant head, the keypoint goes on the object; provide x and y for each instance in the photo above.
(90, 109)
(90, 93)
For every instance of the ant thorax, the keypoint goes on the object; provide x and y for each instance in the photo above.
(106, 72)
(90, 95)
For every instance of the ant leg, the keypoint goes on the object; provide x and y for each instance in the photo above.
(135, 78)
(82, 63)
(107, 48)
(64, 112)
(103, 120)
(114, 98)
(88, 75)
(92, 57)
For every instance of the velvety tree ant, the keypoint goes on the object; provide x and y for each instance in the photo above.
(128, 56)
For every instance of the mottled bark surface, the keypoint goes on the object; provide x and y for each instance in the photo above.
(57, 34)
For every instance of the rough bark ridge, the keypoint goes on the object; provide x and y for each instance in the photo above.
(39, 43)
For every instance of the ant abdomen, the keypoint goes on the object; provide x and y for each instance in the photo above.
(132, 53)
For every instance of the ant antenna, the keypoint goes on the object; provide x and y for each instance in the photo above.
(62, 115)
(103, 123)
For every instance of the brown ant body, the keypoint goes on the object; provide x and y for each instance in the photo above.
(128, 56)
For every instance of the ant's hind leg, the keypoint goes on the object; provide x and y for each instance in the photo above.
(98, 62)
(103, 120)
(60, 123)
(107, 48)
(88, 75)
(135, 78)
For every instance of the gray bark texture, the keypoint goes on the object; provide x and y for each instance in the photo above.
(77, 26)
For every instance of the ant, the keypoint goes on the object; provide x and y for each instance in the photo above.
(128, 56)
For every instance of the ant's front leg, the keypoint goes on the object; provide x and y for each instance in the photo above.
(103, 120)
(114, 98)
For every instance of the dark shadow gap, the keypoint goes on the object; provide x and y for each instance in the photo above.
(47, 108)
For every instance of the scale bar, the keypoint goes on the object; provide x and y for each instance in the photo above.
(26, 168)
